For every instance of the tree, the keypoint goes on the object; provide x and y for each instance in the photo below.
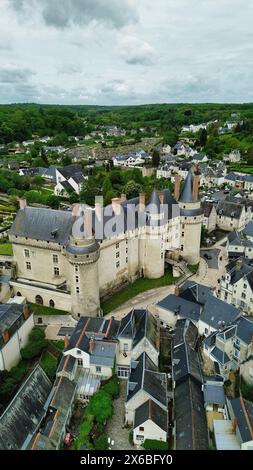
(203, 137)
(38, 182)
(100, 406)
(132, 189)
(155, 158)
(66, 160)
(53, 201)
(250, 156)
(107, 186)
(35, 344)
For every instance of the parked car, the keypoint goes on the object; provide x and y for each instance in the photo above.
(207, 256)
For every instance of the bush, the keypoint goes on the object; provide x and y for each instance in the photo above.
(112, 387)
(101, 443)
(246, 390)
(17, 373)
(131, 437)
(49, 365)
(35, 345)
(85, 430)
(152, 444)
(100, 406)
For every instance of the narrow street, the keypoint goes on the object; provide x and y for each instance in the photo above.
(114, 428)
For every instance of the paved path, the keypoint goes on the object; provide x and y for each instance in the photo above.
(114, 428)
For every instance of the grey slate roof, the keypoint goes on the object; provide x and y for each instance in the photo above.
(70, 170)
(229, 209)
(186, 194)
(185, 362)
(22, 417)
(214, 394)
(190, 416)
(195, 292)
(151, 410)
(217, 313)
(11, 319)
(144, 376)
(139, 324)
(220, 356)
(181, 307)
(244, 330)
(40, 224)
(243, 412)
(248, 230)
(185, 332)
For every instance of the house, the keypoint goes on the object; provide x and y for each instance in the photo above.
(237, 432)
(230, 346)
(173, 307)
(145, 383)
(13, 165)
(69, 179)
(236, 286)
(239, 245)
(215, 314)
(230, 215)
(150, 422)
(22, 418)
(54, 149)
(214, 397)
(210, 216)
(54, 426)
(198, 158)
(16, 323)
(183, 149)
(233, 157)
(138, 333)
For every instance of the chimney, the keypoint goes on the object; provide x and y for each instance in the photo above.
(177, 290)
(75, 211)
(195, 189)
(123, 198)
(177, 187)
(98, 211)
(66, 341)
(161, 197)
(6, 336)
(116, 205)
(91, 345)
(234, 424)
(142, 202)
(26, 312)
(22, 203)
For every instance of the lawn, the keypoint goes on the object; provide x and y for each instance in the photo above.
(139, 286)
(44, 310)
(49, 364)
(59, 344)
(7, 208)
(6, 249)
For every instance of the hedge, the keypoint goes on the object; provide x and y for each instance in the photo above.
(112, 387)
(152, 444)
(36, 344)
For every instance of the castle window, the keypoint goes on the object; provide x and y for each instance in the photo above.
(51, 303)
(28, 266)
(38, 300)
(27, 253)
(80, 362)
(117, 254)
(185, 218)
(55, 259)
(56, 271)
(98, 369)
(162, 255)
(77, 290)
(76, 269)
(182, 247)
(182, 234)
(195, 218)
(19, 294)
(126, 260)
(117, 246)
(126, 250)
(77, 279)
(117, 264)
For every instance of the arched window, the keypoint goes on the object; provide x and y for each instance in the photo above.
(19, 294)
(51, 303)
(38, 300)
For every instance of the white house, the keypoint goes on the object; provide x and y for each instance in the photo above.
(150, 422)
(69, 178)
(16, 323)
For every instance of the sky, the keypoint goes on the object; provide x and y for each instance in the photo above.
(122, 52)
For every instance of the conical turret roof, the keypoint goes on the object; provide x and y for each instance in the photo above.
(186, 193)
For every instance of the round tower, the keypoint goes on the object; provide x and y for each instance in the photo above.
(153, 247)
(82, 255)
(191, 216)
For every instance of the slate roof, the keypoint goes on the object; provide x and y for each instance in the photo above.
(181, 307)
(186, 193)
(139, 324)
(195, 292)
(248, 230)
(151, 410)
(23, 416)
(70, 170)
(190, 416)
(220, 356)
(185, 362)
(185, 332)
(229, 209)
(244, 330)
(11, 319)
(214, 394)
(217, 313)
(207, 208)
(243, 412)
(144, 376)
(92, 327)
(40, 224)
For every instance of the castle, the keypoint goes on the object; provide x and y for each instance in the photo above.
(60, 263)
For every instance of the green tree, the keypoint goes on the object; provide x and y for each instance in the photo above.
(132, 189)
(53, 201)
(155, 158)
(107, 186)
(37, 181)
(203, 137)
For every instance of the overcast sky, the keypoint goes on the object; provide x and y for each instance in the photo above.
(126, 51)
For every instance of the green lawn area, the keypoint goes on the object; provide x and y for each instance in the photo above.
(44, 310)
(141, 285)
(7, 208)
(59, 344)
(49, 364)
(6, 249)
(193, 268)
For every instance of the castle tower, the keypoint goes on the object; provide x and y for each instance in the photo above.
(191, 216)
(82, 255)
(153, 249)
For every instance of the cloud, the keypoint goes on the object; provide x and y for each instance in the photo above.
(64, 13)
(12, 74)
(69, 69)
(135, 51)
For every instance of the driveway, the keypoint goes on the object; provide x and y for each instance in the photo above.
(212, 263)
(114, 429)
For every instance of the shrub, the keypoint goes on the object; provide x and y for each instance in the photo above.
(112, 387)
(246, 390)
(101, 443)
(85, 430)
(152, 444)
(49, 365)
(35, 345)
(17, 373)
(131, 437)
(101, 406)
